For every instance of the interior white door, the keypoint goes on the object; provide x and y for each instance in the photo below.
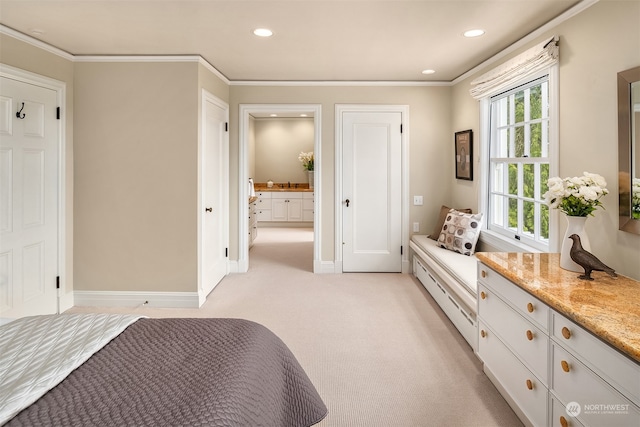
(215, 197)
(371, 191)
(28, 199)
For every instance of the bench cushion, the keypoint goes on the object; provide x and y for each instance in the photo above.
(462, 267)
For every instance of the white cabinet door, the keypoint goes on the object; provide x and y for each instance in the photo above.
(294, 209)
(279, 210)
(28, 199)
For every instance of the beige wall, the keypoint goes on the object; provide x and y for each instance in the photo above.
(594, 46)
(22, 55)
(137, 133)
(429, 147)
(278, 142)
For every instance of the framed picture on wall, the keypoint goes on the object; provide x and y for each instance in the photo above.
(464, 154)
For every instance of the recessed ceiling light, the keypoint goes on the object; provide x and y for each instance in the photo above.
(263, 32)
(473, 33)
(428, 71)
(273, 115)
(303, 115)
(37, 32)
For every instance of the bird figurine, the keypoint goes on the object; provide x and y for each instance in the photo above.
(587, 260)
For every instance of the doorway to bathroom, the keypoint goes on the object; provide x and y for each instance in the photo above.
(287, 199)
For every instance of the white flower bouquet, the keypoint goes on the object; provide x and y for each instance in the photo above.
(577, 196)
(307, 160)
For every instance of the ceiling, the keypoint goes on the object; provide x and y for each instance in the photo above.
(313, 40)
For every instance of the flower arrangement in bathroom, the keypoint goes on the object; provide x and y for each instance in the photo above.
(307, 160)
(578, 195)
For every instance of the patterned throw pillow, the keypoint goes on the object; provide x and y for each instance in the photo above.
(460, 232)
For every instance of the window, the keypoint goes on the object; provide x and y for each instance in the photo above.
(519, 161)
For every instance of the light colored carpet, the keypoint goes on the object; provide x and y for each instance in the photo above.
(377, 347)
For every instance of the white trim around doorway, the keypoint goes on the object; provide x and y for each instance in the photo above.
(243, 177)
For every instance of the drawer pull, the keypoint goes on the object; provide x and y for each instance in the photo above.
(565, 365)
(530, 308)
(483, 295)
(483, 274)
(529, 335)
(483, 334)
(566, 333)
(564, 422)
(529, 384)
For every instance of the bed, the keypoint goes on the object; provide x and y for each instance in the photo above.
(98, 369)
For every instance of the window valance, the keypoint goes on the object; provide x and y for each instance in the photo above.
(532, 60)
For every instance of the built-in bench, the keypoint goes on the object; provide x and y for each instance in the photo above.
(451, 278)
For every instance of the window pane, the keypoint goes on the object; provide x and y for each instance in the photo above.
(497, 210)
(544, 221)
(536, 102)
(529, 180)
(513, 179)
(498, 177)
(519, 105)
(519, 142)
(513, 214)
(536, 140)
(502, 143)
(528, 218)
(544, 177)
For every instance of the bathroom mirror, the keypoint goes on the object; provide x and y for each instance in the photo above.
(629, 149)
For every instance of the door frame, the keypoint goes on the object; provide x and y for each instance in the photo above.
(208, 97)
(404, 140)
(243, 175)
(64, 295)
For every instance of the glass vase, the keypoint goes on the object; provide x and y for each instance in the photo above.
(575, 225)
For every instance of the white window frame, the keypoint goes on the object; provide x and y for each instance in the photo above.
(500, 241)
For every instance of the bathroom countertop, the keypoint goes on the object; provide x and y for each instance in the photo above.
(608, 307)
(294, 187)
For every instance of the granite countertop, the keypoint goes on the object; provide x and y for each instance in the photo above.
(608, 307)
(283, 186)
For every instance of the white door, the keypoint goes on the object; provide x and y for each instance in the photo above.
(371, 192)
(28, 199)
(215, 197)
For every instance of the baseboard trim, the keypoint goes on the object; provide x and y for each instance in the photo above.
(324, 267)
(136, 299)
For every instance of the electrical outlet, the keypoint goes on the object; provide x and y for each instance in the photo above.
(416, 227)
(417, 200)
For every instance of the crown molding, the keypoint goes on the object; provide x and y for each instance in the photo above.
(34, 42)
(308, 83)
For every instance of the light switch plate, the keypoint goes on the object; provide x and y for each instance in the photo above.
(417, 200)
(416, 227)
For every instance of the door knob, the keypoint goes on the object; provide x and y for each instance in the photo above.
(209, 209)
(347, 202)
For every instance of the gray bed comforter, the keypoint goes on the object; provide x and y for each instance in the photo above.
(183, 372)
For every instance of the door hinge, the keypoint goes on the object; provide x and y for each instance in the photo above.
(226, 126)
(401, 128)
(58, 113)
(226, 252)
(57, 282)
(401, 249)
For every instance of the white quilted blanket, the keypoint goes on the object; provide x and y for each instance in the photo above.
(37, 353)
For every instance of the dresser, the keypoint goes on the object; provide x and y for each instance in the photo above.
(562, 351)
